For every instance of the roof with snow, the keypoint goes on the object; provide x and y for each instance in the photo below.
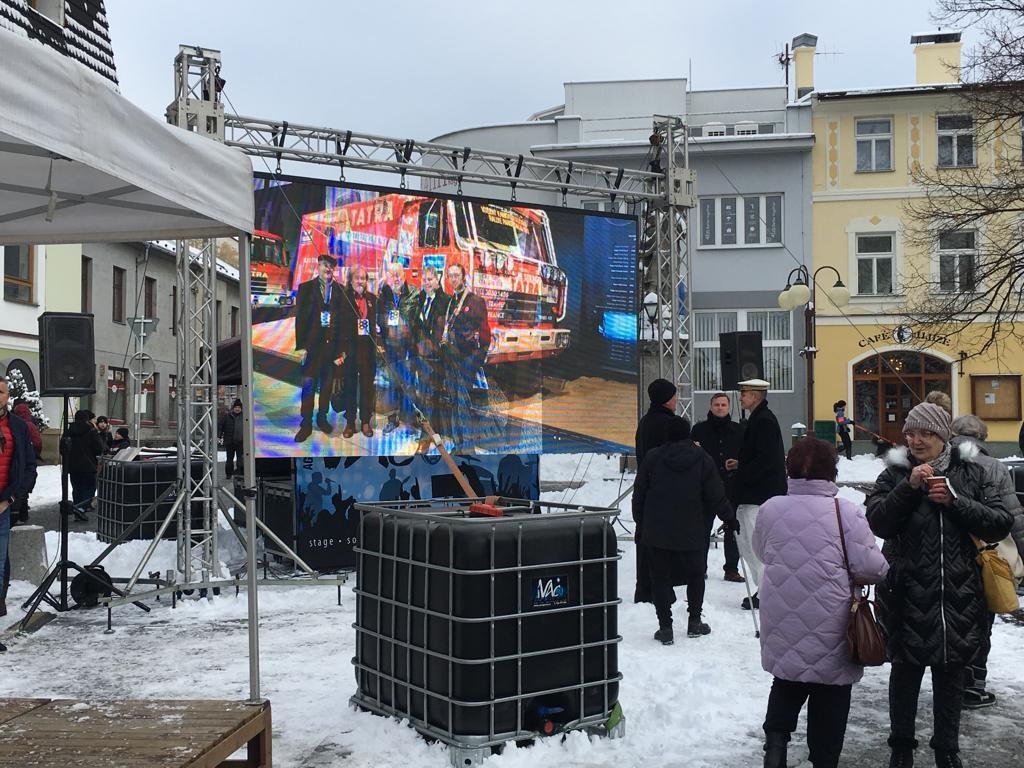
(77, 29)
(898, 90)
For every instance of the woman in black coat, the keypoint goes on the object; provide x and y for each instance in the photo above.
(932, 605)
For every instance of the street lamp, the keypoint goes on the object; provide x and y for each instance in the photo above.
(800, 291)
(651, 307)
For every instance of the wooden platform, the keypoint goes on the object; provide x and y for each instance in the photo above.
(45, 733)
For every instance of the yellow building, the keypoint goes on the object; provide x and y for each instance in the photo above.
(867, 143)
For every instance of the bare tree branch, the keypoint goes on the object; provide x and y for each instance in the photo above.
(980, 299)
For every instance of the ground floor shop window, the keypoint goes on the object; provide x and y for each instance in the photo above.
(887, 385)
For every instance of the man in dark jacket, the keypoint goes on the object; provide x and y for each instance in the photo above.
(82, 460)
(396, 310)
(721, 437)
(429, 313)
(17, 475)
(21, 409)
(465, 341)
(651, 431)
(760, 471)
(103, 426)
(229, 436)
(317, 304)
(926, 505)
(676, 496)
(359, 336)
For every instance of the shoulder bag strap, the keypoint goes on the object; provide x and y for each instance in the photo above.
(842, 540)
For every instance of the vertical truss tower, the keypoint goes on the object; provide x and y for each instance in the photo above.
(197, 108)
(665, 264)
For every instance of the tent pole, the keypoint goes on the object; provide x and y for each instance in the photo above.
(249, 467)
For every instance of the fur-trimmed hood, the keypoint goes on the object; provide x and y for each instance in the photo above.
(967, 449)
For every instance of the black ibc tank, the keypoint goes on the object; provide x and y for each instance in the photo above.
(487, 628)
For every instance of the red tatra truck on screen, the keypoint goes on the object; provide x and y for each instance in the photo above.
(271, 271)
(507, 253)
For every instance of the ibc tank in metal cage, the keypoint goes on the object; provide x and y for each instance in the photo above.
(480, 630)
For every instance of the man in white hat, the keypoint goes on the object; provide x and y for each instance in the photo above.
(760, 471)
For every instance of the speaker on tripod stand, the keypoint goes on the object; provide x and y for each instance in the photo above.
(67, 367)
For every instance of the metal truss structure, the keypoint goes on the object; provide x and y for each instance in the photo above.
(665, 257)
(197, 412)
(663, 192)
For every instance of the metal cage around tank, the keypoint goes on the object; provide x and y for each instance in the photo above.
(480, 630)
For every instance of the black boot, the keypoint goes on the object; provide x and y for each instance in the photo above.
(776, 746)
(948, 760)
(902, 754)
(664, 635)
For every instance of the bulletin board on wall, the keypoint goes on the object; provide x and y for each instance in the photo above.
(996, 397)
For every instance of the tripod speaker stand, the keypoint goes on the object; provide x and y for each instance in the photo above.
(97, 581)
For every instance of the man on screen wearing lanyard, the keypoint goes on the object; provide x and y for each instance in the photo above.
(317, 304)
(466, 339)
(396, 309)
(431, 306)
(359, 334)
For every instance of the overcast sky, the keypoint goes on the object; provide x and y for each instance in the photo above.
(418, 69)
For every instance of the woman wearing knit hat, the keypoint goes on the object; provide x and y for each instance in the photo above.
(926, 505)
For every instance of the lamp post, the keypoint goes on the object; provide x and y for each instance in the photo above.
(800, 290)
(651, 307)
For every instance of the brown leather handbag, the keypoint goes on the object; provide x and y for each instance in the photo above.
(864, 636)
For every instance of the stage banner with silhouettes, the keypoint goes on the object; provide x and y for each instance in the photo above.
(326, 490)
(508, 328)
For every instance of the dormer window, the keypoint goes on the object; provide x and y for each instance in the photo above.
(714, 129)
(52, 10)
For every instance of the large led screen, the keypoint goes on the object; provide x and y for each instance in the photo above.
(383, 316)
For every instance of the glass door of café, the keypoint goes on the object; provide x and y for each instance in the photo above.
(898, 397)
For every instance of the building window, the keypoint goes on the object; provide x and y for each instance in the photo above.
(757, 217)
(117, 301)
(957, 260)
(776, 329)
(956, 140)
(234, 321)
(172, 400)
(19, 284)
(150, 297)
(874, 144)
(746, 129)
(86, 284)
(875, 259)
(51, 9)
(174, 310)
(714, 129)
(117, 395)
(147, 413)
(216, 320)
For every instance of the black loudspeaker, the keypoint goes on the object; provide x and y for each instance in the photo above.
(742, 357)
(67, 354)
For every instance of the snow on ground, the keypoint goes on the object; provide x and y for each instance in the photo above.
(698, 703)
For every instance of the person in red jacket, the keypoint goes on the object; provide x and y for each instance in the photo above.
(17, 474)
(19, 509)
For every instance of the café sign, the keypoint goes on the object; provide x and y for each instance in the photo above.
(905, 334)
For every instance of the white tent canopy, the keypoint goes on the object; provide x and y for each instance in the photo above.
(80, 163)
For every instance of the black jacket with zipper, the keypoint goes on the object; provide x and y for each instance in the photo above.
(932, 605)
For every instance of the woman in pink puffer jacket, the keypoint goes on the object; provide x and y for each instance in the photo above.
(805, 603)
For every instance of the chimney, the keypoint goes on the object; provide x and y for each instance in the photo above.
(937, 56)
(803, 60)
